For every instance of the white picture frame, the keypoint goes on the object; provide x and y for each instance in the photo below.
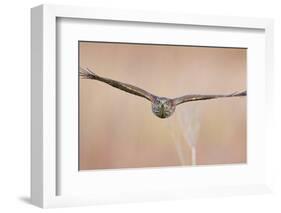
(47, 167)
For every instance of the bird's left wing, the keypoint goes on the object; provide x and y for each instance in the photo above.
(188, 98)
(88, 74)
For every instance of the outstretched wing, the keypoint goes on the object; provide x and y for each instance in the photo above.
(188, 98)
(88, 74)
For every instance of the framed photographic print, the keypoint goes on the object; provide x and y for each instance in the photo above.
(131, 106)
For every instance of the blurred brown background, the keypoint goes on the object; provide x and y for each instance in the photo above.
(118, 130)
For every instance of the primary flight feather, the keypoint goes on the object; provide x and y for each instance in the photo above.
(162, 107)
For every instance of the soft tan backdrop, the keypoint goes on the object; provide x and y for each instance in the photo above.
(118, 130)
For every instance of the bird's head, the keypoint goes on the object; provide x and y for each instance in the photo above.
(163, 107)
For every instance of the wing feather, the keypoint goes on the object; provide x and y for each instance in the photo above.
(188, 98)
(88, 74)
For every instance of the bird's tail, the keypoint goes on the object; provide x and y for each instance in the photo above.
(87, 73)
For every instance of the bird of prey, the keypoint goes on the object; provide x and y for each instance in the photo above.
(162, 107)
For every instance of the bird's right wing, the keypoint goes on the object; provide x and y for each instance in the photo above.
(88, 74)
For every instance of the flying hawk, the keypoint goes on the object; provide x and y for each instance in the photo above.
(162, 107)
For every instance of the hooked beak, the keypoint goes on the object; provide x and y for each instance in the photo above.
(162, 111)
